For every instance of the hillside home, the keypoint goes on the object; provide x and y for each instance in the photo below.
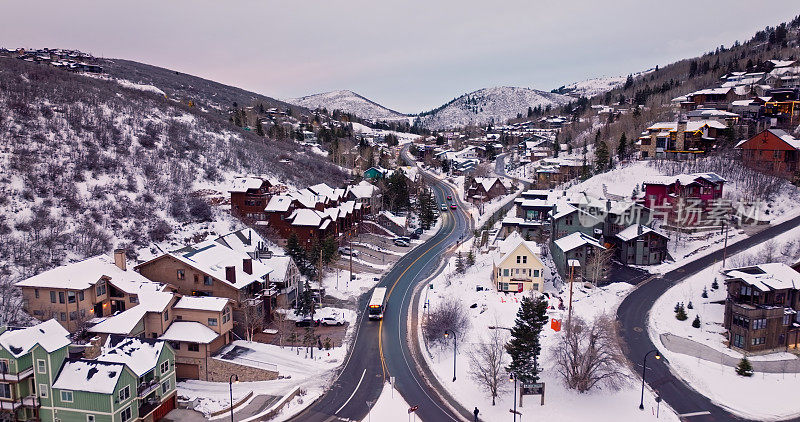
(694, 199)
(761, 307)
(680, 139)
(576, 247)
(640, 245)
(772, 151)
(710, 98)
(484, 189)
(249, 196)
(76, 293)
(519, 268)
(367, 194)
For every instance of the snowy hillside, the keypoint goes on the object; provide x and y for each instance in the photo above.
(348, 102)
(489, 105)
(595, 86)
(91, 163)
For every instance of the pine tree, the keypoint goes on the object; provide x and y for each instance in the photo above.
(681, 314)
(705, 293)
(470, 258)
(622, 148)
(259, 128)
(714, 284)
(696, 322)
(690, 306)
(305, 302)
(556, 147)
(744, 368)
(460, 263)
(524, 346)
(601, 156)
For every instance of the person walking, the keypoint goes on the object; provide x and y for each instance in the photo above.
(475, 412)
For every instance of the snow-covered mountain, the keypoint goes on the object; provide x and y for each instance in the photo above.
(489, 105)
(595, 86)
(348, 102)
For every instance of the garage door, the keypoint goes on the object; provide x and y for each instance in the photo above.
(186, 370)
(165, 408)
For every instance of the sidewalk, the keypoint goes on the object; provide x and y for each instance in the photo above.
(689, 347)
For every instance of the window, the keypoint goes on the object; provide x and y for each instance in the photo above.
(126, 414)
(196, 279)
(81, 296)
(60, 297)
(89, 418)
(52, 296)
(535, 286)
(101, 289)
(124, 393)
(43, 391)
(536, 273)
(179, 317)
(505, 272)
(164, 367)
(73, 315)
(741, 321)
(787, 319)
(212, 322)
(519, 259)
(166, 315)
(5, 390)
(63, 316)
(738, 340)
(759, 324)
(134, 299)
(41, 366)
(176, 345)
(524, 259)
(181, 275)
(66, 396)
(36, 293)
(4, 366)
(759, 341)
(226, 314)
(207, 280)
(164, 387)
(193, 347)
(71, 297)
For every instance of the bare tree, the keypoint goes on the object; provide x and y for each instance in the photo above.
(589, 354)
(487, 361)
(252, 316)
(449, 315)
(598, 264)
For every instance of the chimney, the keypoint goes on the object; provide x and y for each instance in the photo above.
(247, 265)
(640, 230)
(608, 205)
(249, 237)
(92, 350)
(680, 135)
(120, 259)
(230, 274)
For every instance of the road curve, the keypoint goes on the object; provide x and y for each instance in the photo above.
(380, 349)
(633, 313)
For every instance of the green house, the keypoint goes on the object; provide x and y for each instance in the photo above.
(29, 358)
(375, 173)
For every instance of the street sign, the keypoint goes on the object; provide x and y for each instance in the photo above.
(532, 389)
(515, 412)
(413, 409)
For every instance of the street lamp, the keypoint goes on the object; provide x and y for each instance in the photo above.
(231, 380)
(447, 335)
(513, 379)
(644, 367)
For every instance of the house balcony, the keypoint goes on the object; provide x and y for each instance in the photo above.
(147, 406)
(759, 311)
(27, 401)
(4, 377)
(146, 388)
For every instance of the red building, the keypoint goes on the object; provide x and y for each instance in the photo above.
(249, 196)
(685, 196)
(772, 151)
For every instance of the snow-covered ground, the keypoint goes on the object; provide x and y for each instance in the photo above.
(498, 309)
(349, 102)
(390, 407)
(713, 379)
(402, 137)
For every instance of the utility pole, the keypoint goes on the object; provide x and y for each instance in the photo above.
(725, 246)
(571, 277)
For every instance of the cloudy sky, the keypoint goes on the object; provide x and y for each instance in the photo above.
(409, 56)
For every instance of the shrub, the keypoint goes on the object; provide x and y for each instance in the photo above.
(696, 322)
(744, 368)
(705, 293)
(681, 314)
(200, 210)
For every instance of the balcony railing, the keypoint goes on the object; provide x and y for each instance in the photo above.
(4, 377)
(146, 388)
(755, 310)
(27, 401)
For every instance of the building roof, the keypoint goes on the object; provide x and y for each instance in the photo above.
(126, 321)
(785, 137)
(692, 126)
(212, 258)
(279, 203)
(309, 217)
(574, 240)
(765, 277)
(190, 332)
(140, 355)
(510, 244)
(48, 334)
(243, 184)
(89, 375)
(362, 190)
(202, 303)
(685, 179)
(84, 274)
(632, 232)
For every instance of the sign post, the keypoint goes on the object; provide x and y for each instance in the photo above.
(533, 389)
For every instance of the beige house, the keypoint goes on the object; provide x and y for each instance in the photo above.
(519, 268)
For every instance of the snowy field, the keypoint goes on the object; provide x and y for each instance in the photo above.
(498, 310)
(719, 382)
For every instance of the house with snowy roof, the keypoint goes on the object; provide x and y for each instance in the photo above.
(249, 196)
(710, 98)
(29, 358)
(365, 193)
(578, 249)
(680, 139)
(761, 307)
(640, 245)
(772, 151)
(518, 267)
(484, 189)
(76, 293)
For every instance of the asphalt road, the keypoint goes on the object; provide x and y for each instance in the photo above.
(380, 349)
(632, 315)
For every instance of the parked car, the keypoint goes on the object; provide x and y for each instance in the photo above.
(444, 207)
(306, 322)
(419, 230)
(401, 242)
(332, 320)
(414, 235)
(345, 250)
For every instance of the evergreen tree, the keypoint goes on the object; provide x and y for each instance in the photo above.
(705, 293)
(696, 322)
(601, 156)
(460, 263)
(690, 306)
(259, 128)
(744, 368)
(524, 346)
(714, 284)
(556, 147)
(681, 314)
(622, 148)
(298, 254)
(470, 258)
(305, 302)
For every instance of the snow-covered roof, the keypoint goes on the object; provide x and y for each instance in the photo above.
(84, 274)
(765, 277)
(782, 63)
(279, 203)
(362, 190)
(574, 240)
(508, 245)
(212, 258)
(632, 232)
(140, 355)
(785, 137)
(712, 112)
(89, 375)
(124, 322)
(396, 219)
(684, 179)
(243, 184)
(486, 182)
(48, 334)
(308, 217)
(741, 103)
(711, 91)
(202, 303)
(692, 126)
(189, 331)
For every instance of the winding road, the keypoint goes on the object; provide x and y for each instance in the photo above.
(381, 350)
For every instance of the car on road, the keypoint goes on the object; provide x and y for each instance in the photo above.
(306, 322)
(452, 206)
(345, 250)
(401, 242)
(449, 197)
(332, 320)
(444, 207)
